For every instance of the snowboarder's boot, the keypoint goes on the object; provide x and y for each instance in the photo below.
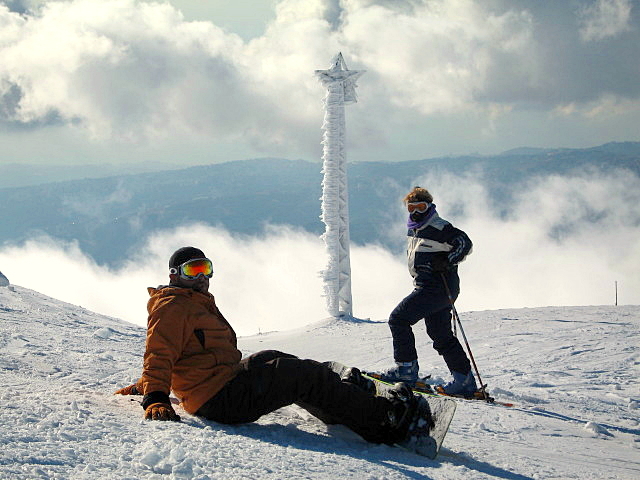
(404, 404)
(352, 375)
(417, 437)
(461, 384)
(417, 422)
(402, 372)
(355, 376)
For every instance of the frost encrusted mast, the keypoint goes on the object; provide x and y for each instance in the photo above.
(341, 89)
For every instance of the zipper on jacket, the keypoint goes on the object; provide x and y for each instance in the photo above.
(199, 333)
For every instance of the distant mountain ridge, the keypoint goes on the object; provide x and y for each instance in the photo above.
(629, 148)
(110, 215)
(21, 175)
(26, 175)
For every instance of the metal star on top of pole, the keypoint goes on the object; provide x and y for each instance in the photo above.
(338, 72)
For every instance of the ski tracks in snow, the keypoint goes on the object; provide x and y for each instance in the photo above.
(573, 373)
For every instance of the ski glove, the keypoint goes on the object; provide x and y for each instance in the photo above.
(130, 390)
(157, 406)
(161, 411)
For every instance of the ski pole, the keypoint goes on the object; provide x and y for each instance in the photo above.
(457, 318)
(454, 325)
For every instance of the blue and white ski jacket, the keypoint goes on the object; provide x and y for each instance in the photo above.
(435, 237)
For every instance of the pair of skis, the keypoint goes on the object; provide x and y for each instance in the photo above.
(421, 386)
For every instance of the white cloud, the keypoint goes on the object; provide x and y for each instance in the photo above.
(565, 241)
(117, 68)
(260, 283)
(137, 72)
(436, 56)
(610, 116)
(610, 106)
(604, 19)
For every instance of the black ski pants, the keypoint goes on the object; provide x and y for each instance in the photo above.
(432, 304)
(270, 380)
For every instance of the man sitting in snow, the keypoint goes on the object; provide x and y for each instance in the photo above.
(191, 350)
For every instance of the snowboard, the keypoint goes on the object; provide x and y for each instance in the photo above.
(430, 425)
(431, 422)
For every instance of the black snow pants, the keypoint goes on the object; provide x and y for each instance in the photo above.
(430, 302)
(270, 380)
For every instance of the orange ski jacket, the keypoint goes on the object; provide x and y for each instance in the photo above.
(190, 349)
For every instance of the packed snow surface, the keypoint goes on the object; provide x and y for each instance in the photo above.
(573, 374)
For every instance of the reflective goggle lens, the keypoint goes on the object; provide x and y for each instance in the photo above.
(419, 207)
(193, 268)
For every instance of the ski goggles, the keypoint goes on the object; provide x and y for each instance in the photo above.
(419, 207)
(191, 269)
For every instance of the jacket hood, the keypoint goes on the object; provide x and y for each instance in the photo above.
(163, 292)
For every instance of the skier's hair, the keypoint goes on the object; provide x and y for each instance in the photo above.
(418, 194)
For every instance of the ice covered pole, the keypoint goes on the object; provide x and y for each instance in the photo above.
(340, 83)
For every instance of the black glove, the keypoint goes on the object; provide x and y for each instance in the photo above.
(440, 264)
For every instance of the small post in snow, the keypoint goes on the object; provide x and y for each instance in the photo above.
(340, 83)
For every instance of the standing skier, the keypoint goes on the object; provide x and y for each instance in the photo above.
(191, 350)
(434, 249)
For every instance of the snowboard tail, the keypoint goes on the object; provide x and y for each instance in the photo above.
(429, 424)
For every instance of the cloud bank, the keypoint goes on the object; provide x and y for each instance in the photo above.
(604, 19)
(564, 241)
(133, 72)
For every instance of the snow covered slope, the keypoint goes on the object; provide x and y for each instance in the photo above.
(572, 372)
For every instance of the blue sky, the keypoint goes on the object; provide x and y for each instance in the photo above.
(191, 82)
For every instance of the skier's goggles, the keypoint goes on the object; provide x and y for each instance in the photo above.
(193, 268)
(419, 207)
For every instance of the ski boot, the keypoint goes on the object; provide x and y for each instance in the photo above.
(402, 372)
(461, 385)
